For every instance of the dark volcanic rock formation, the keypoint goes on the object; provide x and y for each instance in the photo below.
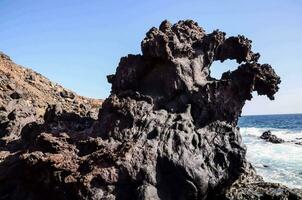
(269, 137)
(167, 131)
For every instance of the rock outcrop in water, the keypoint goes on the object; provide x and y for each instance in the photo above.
(269, 137)
(167, 131)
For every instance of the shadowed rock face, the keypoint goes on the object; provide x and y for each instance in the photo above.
(167, 131)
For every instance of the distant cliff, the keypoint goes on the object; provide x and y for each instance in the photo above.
(25, 96)
(167, 131)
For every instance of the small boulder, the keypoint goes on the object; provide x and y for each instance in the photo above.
(3, 116)
(31, 77)
(269, 137)
(16, 95)
(12, 115)
(3, 108)
(52, 112)
(67, 94)
(3, 56)
(11, 86)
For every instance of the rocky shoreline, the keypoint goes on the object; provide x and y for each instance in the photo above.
(168, 130)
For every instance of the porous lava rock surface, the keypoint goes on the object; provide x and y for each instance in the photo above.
(167, 131)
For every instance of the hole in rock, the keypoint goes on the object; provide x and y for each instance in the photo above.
(218, 68)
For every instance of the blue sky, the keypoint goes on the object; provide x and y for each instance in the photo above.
(77, 43)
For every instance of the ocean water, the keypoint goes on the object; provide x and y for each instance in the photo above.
(280, 163)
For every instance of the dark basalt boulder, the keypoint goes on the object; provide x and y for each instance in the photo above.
(67, 94)
(269, 137)
(167, 131)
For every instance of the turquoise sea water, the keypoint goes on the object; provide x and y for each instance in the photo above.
(280, 163)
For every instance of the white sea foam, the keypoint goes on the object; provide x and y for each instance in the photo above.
(280, 163)
(285, 134)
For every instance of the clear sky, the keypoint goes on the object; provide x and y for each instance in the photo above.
(77, 43)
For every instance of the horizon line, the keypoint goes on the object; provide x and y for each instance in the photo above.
(248, 115)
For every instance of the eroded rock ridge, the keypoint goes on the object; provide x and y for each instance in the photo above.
(167, 131)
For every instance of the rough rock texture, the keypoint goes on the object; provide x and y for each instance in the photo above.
(250, 186)
(269, 137)
(167, 131)
(25, 95)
